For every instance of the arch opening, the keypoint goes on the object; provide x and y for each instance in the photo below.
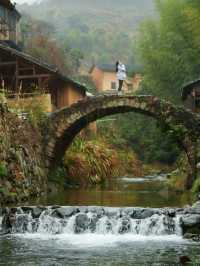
(67, 123)
(70, 133)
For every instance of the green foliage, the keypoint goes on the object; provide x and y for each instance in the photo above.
(97, 160)
(58, 176)
(3, 170)
(177, 132)
(2, 96)
(38, 39)
(169, 51)
(169, 48)
(196, 186)
(35, 108)
(152, 143)
(94, 159)
(36, 116)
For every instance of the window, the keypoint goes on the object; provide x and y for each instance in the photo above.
(113, 85)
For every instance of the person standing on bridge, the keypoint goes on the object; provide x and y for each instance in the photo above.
(121, 74)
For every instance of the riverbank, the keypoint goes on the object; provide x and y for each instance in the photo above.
(178, 178)
(22, 172)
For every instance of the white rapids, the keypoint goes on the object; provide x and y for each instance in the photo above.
(95, 226)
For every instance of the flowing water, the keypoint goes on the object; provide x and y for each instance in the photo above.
(102, 235)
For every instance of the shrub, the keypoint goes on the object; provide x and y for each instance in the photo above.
(94, 159)
(58, 176)
(3, 170)
(36, 115)
(196, 186)
(2, 97)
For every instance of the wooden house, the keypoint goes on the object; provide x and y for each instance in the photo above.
(191, 96)
(21, 74)
(9, 18)
(104, 78)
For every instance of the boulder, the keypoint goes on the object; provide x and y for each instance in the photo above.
(169, 225)
(151, 211)
(37, 211)
(190, 223)
(111, 212)
(193, 237)
(142, 213)
(64, 212)
(55, 207)
(27, 209)
(9, 219)
(125, 226)
(20, 223)
(98, 210)
(92, 222)
(82, 222)
(170, 212)
(190, 220)
(196, 207)
(82, 209)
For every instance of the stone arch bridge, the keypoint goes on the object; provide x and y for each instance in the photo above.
(65, 124)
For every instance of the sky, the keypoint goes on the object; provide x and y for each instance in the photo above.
(24, 1)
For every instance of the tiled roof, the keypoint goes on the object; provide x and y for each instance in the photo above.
(52, 69)
(107, 67)
(104, 67)
(9, 5)
(10, 44)
(188, 88)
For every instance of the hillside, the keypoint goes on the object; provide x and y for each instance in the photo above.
(91, 28)
(68, 7)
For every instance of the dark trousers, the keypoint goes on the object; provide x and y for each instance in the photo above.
(120, 85)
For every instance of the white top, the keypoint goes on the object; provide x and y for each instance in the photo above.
(121, 73)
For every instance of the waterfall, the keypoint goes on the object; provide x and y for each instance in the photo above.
(91, 220)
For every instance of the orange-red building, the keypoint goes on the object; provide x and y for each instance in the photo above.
(104, 78)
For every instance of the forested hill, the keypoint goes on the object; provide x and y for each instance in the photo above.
(61, 6)
(100, 29)
(65, 13)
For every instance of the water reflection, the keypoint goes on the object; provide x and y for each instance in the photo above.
(121, 192)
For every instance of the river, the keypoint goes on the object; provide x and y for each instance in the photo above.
(100, 235)
(150, 191)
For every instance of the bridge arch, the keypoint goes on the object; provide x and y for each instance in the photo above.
(65, 124)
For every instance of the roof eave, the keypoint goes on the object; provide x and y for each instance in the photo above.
(53, 70)
(188, 87)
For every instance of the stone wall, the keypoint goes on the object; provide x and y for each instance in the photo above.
(22, 173)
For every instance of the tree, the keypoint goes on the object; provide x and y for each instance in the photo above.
(169, 48)
(38, 40)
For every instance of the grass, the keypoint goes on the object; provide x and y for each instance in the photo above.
(196, 186)
(94, 159)
(3, 170)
